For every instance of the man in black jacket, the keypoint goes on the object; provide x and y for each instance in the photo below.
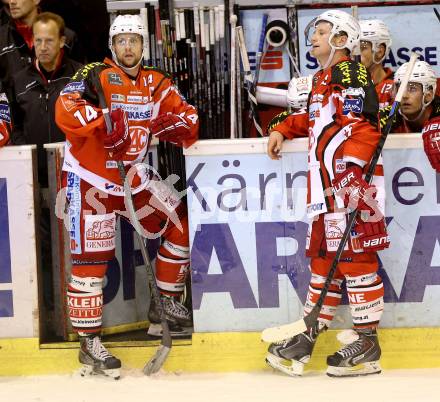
(34, 92)
(36, 88)
(16, 46)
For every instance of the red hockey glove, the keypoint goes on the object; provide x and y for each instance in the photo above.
(371, 230)
(118, 141)
(353, 189)
(431, 142)
(170, 127)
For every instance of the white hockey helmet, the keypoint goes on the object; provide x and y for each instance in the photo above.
(342, 22)
(422, 73)
(126, 23)
(376, 32)
(298, 91)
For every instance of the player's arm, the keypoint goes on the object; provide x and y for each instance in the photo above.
(177, 121)
(286, 125)
(77, 111)
(431, 142)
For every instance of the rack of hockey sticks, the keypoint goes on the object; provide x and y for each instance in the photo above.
(194, 44)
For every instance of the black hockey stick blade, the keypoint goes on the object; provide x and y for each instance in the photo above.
(157, 361)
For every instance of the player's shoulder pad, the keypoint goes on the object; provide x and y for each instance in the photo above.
(279, 118)
(349, 73)
(158, 70)
(89, 69)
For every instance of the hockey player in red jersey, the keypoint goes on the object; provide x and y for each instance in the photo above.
(419, 102)
(143, 103)
(342, 126)
(420, 109)
(375, 47)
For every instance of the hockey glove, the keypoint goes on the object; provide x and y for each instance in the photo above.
(353, 189)
(371, 232)
(431, 142)
(170, 127)
(119, 140)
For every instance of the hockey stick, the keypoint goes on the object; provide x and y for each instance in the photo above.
(249, 81)
(277, 334)
(157, 361)
(260, 50)
(232, 81)
(437, 14)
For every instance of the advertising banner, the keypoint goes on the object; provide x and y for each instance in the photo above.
(413, 28)
(248, 230)
(18, 258)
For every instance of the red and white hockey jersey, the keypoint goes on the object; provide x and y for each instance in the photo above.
(341, 122)
(80, 117)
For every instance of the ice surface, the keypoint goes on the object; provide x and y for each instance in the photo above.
(420, 385)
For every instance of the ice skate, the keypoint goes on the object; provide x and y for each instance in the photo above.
(291, 355)
(360, 355)
(96, 359)
(178, 316)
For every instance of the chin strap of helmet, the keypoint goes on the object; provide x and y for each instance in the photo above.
(424, 106)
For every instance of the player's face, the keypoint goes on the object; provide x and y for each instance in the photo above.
(128, 49)
(22, 8)
(48, 43)
(320, 41)
(366, 53)
(412, 100)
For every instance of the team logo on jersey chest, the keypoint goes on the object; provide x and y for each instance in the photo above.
(139, 140)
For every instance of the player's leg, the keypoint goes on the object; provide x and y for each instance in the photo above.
(292, 354)
(172, 264)
(361, 351)
(92, 244)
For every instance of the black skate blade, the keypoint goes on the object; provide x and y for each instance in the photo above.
(176, 332)
(156, 362)
(352, 375)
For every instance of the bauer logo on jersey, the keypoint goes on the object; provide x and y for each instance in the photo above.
(353, 92)
(353, 105)
(71, 87)
(99, 232)
(135, 112)
(114, 79)
(5, 114)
